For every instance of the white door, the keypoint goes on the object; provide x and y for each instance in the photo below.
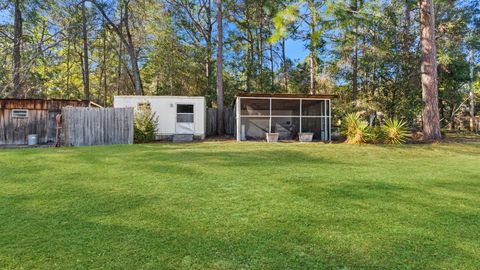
(184, 123)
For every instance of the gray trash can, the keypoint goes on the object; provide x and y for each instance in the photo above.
(32, 139)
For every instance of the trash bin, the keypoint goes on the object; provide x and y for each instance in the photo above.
(32, 139)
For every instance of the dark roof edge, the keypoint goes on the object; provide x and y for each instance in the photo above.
(285, 95)
(44, 99)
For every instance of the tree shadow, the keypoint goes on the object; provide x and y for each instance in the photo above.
(90, 230)
(272, 208)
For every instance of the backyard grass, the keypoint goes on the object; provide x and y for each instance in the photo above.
(225, 205)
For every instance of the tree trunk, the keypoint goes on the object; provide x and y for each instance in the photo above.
(250, 58)
(430, 115)
(473, 123)
(312, 74)
(209, 48)
(208, 67)
(406, 30)
(313, 47)
(68, 65)
(355, 53)
(272, 69)
(86, 70)
(137, 80)
(284, 66)
(220, 123)
(17, 47)
(260, 17)
(120, 51)
(127, 42)
(104, 63)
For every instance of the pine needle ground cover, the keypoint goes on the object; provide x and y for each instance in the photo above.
(224, 205)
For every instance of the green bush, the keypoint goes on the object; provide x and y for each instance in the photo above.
(395, 131)
(145, 126)
(375, 135)
(355, 129)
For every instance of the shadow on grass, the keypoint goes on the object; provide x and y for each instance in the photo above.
(84, 229)
(93, 234)
(101, 218)
(184, 162)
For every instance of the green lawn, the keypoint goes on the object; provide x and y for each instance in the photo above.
(225, 205)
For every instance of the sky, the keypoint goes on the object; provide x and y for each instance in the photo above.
(295, 50)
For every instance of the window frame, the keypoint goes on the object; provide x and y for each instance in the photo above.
(23, 115)
(192, 113)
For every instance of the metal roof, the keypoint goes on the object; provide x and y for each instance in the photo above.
(285, 95)
(41, 104)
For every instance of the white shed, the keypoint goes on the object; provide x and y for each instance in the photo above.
(177, 115)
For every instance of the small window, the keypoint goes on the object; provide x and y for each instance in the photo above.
(184, 113)
(184, 108)
(19, 113)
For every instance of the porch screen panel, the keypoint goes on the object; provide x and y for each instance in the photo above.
(255, 107)
(285, 107)
(313, 107)
(255, 127)
(285, 116)
(315, 125)
(327, 131)
(286, 127)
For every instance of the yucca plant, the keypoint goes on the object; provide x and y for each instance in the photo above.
(395, 131)
(355, 129)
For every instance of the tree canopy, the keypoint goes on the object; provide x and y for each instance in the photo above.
(366, 51)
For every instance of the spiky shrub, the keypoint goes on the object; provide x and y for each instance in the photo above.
(145, 126)
(395, 131)
(355, 129)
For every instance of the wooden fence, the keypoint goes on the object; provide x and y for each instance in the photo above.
(229, 121)
(97, 126)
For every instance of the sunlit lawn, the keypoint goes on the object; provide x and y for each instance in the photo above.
(226, 205)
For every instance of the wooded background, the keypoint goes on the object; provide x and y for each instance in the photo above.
(366, 51)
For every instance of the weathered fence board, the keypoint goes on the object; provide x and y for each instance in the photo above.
(40, 119)
(229, 121)
(97, 126)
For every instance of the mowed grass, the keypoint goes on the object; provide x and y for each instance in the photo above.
(226, 205)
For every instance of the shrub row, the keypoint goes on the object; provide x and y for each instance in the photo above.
(357, 131)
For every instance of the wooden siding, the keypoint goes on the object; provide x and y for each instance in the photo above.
(40, 120)
(41, 104)
(97, 126)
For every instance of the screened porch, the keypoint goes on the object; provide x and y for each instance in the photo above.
(285, 114)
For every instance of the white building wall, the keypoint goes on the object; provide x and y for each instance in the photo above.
(166, 110)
